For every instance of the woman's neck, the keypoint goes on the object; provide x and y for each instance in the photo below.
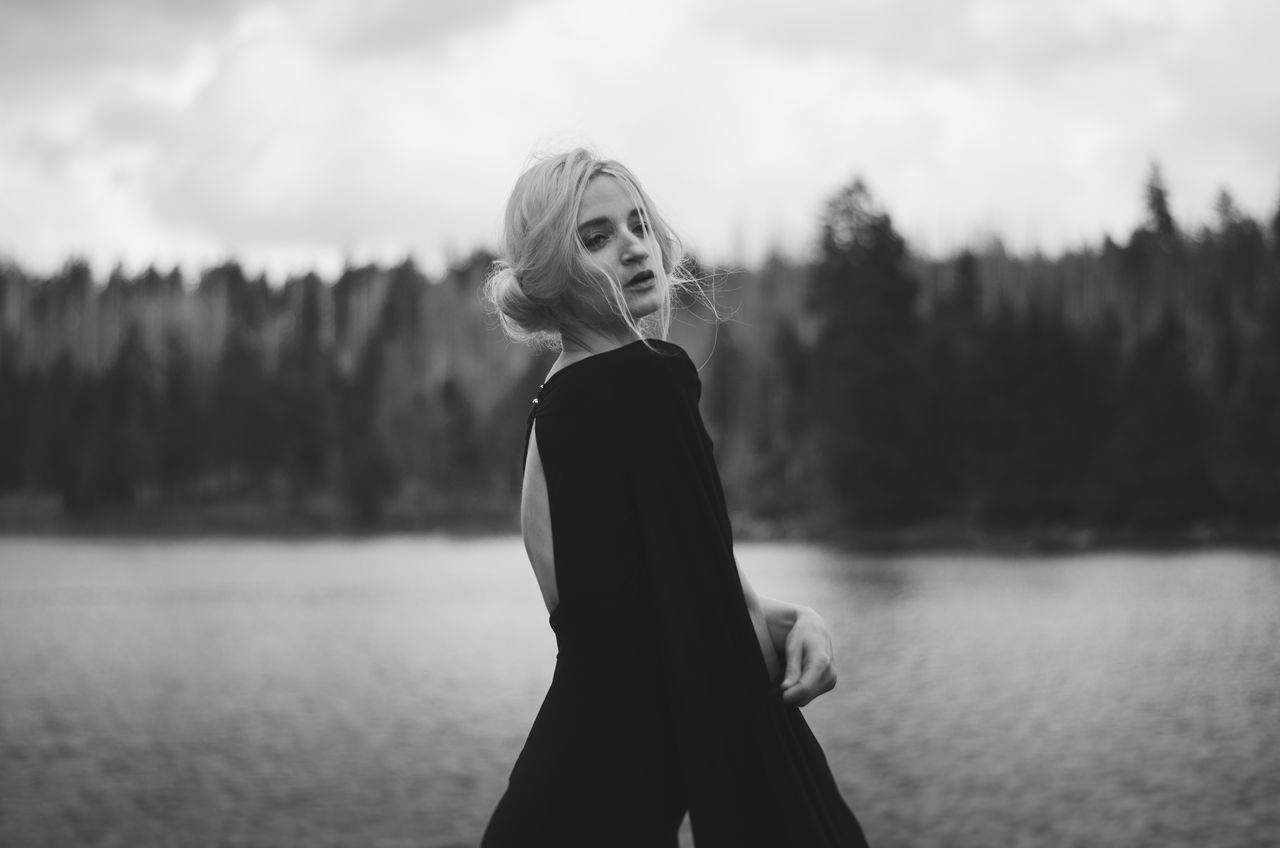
(585, 342)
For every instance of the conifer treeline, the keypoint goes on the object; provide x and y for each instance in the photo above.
(326, 400)
(1135, 385)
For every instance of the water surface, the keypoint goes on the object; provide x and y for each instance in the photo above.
(376, 693)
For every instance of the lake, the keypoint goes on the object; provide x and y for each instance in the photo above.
(376, 693)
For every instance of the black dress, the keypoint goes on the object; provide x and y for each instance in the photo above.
(660, 700)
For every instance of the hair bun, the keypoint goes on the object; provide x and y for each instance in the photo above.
(522, 318)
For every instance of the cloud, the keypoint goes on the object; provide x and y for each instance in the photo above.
(266, 129)
(1224, 117)
(296, 134)
(959, 36)
(61, 38)
(378, 27)
(1072, 98)
(286, 145)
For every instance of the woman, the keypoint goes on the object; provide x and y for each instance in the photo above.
(666, 695)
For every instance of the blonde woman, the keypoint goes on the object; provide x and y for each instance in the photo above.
(669, 692)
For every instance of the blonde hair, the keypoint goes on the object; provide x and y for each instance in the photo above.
(531, 286)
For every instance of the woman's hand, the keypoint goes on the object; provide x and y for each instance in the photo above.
(800, 635)
(810, 670)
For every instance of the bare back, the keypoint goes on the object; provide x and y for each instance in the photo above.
(535, 509)
(535, 524)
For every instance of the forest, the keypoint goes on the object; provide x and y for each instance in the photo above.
(1128, 390)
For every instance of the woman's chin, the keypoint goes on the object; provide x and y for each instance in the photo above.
(643, 303)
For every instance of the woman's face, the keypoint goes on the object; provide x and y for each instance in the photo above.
(618, 242)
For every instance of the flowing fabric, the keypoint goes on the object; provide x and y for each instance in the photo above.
(660, 700)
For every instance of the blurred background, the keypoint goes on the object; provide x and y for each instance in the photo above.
(998, 393)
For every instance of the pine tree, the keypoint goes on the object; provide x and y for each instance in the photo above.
(866, 382)
(246, 407)
(367, 475)
(1275, 230)
(118, 451)
(1160, 221)
(1249, 464)
(15, 396)
(1155, 471)
(305, 391)
(950, 349)
(184, 431)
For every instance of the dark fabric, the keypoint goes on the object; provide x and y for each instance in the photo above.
(660, 701)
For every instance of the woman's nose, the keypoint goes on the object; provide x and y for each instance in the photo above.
(635, 247)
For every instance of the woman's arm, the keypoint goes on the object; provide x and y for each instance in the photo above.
(799, 634)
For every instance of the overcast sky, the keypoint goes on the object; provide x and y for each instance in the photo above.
(304, 133)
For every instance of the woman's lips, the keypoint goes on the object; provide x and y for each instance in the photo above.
(641, 278)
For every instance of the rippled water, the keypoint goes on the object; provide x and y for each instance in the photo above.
(377, 693)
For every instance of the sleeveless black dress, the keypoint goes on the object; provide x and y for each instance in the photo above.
(660, 700)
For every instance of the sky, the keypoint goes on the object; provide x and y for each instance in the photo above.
(305, 134)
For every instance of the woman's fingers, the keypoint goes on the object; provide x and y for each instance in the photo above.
(795, 651)
(810, 672)
(812, 683)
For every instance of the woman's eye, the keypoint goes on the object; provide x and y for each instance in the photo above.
(595, 241)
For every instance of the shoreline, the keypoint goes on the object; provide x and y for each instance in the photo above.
(41, 518)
